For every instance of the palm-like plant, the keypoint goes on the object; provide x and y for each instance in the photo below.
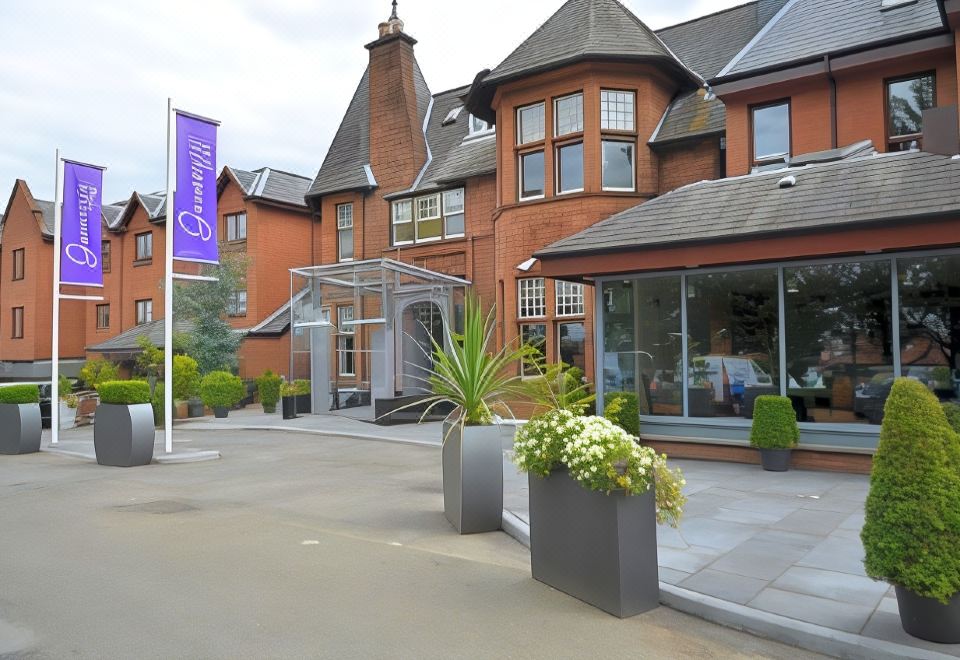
(475, 379)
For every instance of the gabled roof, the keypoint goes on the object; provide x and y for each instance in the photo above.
(42, 210)
(896, 187)
(153, 203)
(693, 114)
(127, 342)
(112, 213)
(807, 30)
(277, 322)
(271, 185)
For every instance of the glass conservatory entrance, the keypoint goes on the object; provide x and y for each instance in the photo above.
(362, 331)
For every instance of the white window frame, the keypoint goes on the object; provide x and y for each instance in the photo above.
(633, 116)
(233, 226)
(345, 224)
(543, 129)
(145, 304)
(325, 314)
(428, 218)
(520, 175)
(531, 298)
(395, 222)
(346, 332)
(569, 299)
(757, 161)
(633, 165)
(558, 162)
(556, 114)
(147, 236)
(233, 308)
(473, 131)
(448, 212)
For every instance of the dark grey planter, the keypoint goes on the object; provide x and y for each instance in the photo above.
(123, 435)
(195, 408)
(304, 403)
(221, 413)
(599, 548)
(21, 426)
(472, 477)
(775, 460)
(289, 405)
(928, 618)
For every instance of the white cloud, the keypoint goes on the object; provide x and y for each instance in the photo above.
(92, 78)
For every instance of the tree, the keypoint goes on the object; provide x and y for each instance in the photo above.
(213, 343)
(150, 360)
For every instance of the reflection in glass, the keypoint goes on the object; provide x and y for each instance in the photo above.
(570, 168)
(572, 342)
(839, 341)
(533, 334)
(531, 175)
(617, 165)
(906, 101)
(642, 342)
(930, 323)
(733, 341)
(771, 132)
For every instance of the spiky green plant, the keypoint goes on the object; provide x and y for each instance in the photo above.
(476, 380)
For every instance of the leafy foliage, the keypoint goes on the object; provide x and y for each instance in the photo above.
(623, 409)
(64, 387)
(268, 387)
(150, 360)
(124, 392)
(952, 411)
(774, 423)
(157, 402)
(220, 389)
(186, 377)
(912, 531)
(95, 372)
(557, 386)
(601, 456)
(213, 343)
(299, 387)
(18, 394)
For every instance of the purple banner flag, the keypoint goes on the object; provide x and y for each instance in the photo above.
(194, 218)
(80, 247)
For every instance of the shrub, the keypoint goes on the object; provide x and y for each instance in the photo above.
(17, 394)
(952, 411)
(558, 387)
(64, 386)
(268, 387)
(601, 456)
(95, 372)
(124, 392)
(157, 401)
(774, 423)
(220, 389)
(296, 388)
(912, 530)
(623, 409)
(186, 377)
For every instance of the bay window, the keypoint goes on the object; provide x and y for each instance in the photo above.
(530, 123)
(568, 115)
(619, 168)
(616, 110)
(532, 175)
(569, 298)
(532, 298)
(570, 168)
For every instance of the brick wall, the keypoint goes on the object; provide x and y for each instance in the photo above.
(690, 161)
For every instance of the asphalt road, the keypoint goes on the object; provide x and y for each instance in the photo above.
(290, 546)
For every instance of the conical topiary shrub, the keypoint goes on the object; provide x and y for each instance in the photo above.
(775, 431)
(912, 531)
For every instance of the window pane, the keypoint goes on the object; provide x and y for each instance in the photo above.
(530, 123)
(839, 341)
(569, 298)
(429, 229)
(345, 216)
(572, 345)
(531, 175)
(642, 348)
(428, 207)
(733, 341)
(616, 110)
(453, 201)
(533, 334)
(771, 132)
(618, 165)
(105, 257)
(455, 225)
(570, 167)
(568, 113)
(906, 101)
(532, 297)
(930, 323)
(403, 211)
(345, 240)
(403, 233)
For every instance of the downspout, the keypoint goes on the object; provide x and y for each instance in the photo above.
(833, 102)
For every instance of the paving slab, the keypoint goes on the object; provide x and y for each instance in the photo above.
(841, 587)
(720, 585)
(813, 609)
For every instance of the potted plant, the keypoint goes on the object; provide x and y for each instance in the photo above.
(186, 379)
(288, 396)
(20, 419)
(596, 496)
(123, 431)
(476, 382)
(623, 409)
(775, 431)
(911, 534)
(221, 390)
(268, 388)
(301, 389)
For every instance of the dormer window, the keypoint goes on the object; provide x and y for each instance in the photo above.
(907, 98)
(771, 133)
(479, 127)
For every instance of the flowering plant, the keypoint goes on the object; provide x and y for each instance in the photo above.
(601, 456)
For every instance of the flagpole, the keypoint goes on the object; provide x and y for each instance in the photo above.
(168, 286)
(55, 334)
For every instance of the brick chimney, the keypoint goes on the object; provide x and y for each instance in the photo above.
(397, 147)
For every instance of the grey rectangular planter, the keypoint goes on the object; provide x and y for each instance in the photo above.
(20, 428)
(596, 547)
(472, 477)
(123, 436)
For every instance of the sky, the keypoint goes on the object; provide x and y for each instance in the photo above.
(93, 77)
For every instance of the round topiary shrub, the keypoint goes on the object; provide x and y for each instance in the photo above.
(124, 392)
(774, 423)
(623, 409)
(19, 394)
(220, 389)
(952, 410)
(98, 371)
(186, 377)
(912, 530)
(268, 388)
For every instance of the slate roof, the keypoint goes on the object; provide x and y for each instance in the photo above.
(691, 115)
(273, 185)
(47, 215)
(278, 322)
(126, 342)
(807, 30)
(112, 213)
(867, 189)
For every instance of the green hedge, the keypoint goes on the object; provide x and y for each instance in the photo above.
(298, 387)
(186, 377)
(268, 387)
(912, 530)
(19, 394)
(98, 371)
(220, 389)
(774, 423)
(623, 409)
(157, 402)
(124, 392)
(952, 411)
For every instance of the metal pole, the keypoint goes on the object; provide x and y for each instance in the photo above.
(168, 286)
(55, 339)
